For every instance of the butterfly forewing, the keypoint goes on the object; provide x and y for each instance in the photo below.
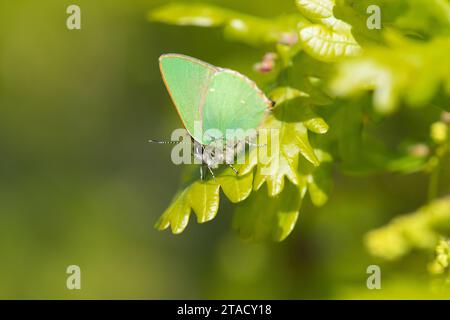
(187, 80)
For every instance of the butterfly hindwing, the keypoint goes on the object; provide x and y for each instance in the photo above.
(233, 102)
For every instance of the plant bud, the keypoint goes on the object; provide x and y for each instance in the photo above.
(439, 132)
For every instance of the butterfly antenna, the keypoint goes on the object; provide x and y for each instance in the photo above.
(202, 173)
(167, 142)
(212, 173)
(233, 168)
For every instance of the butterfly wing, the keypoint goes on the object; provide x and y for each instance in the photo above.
(187, 80)
(233, 102)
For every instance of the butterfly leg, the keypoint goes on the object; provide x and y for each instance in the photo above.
(202, 172)
(250, 143)
(233, 168)
(214, 139)
(212, 173)
(256, 145)
(242, 143)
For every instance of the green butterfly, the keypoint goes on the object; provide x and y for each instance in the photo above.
(214, 99)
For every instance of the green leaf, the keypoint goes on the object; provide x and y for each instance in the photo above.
(417, 18)
(357, 150)
(291, 107)
(317, 179)
(310, 77)
(409, 72)
(355, 14)
(236, 188)
(284, 94)
(291, 119)
(203, 198)
(328, 38)
(430, 17)
(261, 217)
(316, 9)
(237, 26)
(349, 123)
(190, 15)
(421, 229)
(326, 45)
(258, 31)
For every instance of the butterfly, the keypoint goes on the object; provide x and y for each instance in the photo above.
(212, 102)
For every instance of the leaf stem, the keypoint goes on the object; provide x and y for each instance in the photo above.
(433, 185)
(439, 156)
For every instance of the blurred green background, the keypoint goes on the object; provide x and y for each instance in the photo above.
(79, 184)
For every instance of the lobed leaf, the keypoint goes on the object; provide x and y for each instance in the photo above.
(291, 119)
(202, 197)
(328, 38)
(316, 9)
(261, 217)
(327, 45)
(317, 180)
